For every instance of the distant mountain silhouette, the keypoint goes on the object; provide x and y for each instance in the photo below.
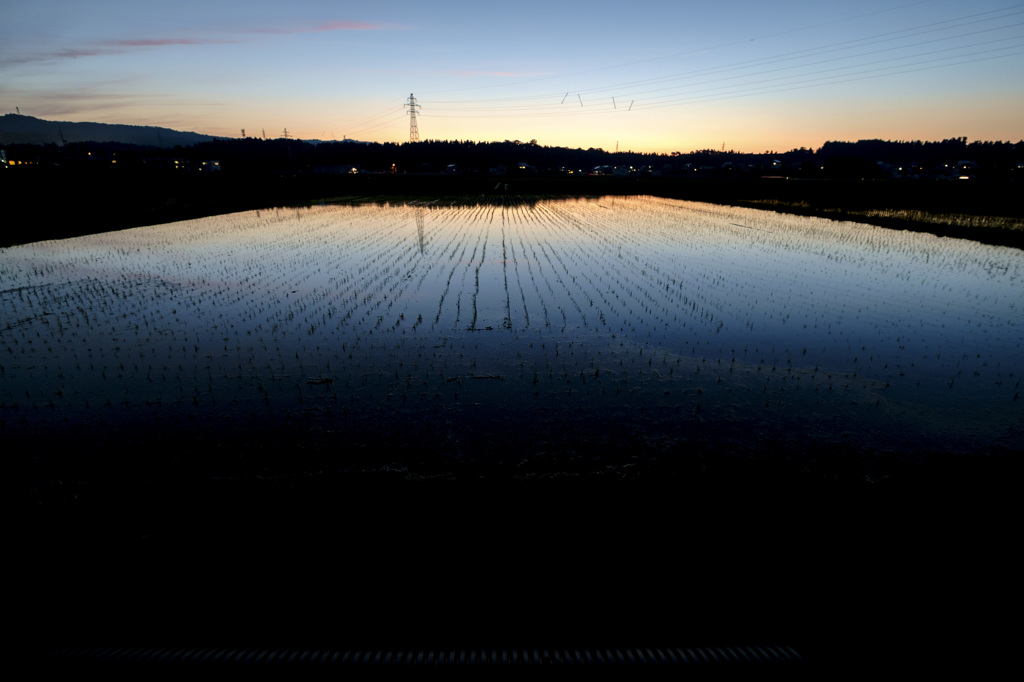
(17, 129)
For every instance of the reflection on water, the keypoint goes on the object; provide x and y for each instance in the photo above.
(596, 314)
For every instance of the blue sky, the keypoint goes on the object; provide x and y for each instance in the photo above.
(646, 75)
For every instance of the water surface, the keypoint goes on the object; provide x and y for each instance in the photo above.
(534, 325)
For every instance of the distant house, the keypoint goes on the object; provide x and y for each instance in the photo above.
(3, 158)
(341, 169)
(167, 164)
(209, 166)
(967, 170)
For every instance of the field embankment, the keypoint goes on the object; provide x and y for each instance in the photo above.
(56, 203)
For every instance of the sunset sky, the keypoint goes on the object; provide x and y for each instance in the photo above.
(648, 75)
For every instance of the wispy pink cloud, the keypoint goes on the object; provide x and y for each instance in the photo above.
(76, 52)
(325, 27)
(66, 53)
(84, 101)
(105, 48)
(347, 26)
(122, 45)
(159, 42)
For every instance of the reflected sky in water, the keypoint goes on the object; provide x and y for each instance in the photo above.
(593, 313)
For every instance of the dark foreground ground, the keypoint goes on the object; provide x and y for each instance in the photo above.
(275, 539)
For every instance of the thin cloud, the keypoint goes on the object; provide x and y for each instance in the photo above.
(92, 95)
(326, 27)
(123, 45)
(104, 49)
(87, 102)
(159, 42)
(58, 55)
(81, 105)
(78, 52)
(346, 26)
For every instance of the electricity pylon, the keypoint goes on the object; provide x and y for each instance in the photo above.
(414, 131)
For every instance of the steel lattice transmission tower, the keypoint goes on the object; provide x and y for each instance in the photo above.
(414, 131)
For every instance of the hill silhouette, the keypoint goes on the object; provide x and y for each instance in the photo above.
(19, 129)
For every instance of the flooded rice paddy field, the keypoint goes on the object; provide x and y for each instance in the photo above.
(512, 330)
(259, 427)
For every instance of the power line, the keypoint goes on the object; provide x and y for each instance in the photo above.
(734, 43)
(926, 65)
(549, 104)
(360, 131)
(833, 80)
(368, 123)
(817, 52)
(716, 83)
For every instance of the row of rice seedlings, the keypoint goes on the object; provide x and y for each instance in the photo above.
(805, 353)
(282, 310)
(840, 313)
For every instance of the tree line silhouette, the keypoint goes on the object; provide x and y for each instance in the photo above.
(864, 158)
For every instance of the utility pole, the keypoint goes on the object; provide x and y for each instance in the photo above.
(285, 135)
(414, 131)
